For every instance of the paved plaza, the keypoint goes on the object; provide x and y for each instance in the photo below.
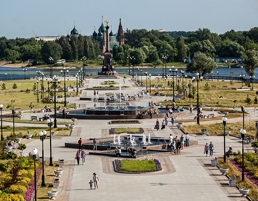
(188, 176)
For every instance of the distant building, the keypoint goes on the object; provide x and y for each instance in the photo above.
(47, 38)
(114, 39)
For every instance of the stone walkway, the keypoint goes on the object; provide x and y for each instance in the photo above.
(185, 177)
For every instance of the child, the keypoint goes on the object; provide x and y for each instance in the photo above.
(91, 182)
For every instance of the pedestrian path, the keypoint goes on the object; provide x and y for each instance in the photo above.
(185, 177)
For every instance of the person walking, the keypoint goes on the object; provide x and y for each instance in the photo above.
(157, 125)
(78, 156)
(80, 143)
(94, 144)
(83, 156)
(163, 125)
(166, 120)
(187, 140)
(172, 120)
(211, 148)
(95, 180)
(206, 149)
(182, 140)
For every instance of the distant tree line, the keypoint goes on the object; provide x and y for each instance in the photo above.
(141, 46)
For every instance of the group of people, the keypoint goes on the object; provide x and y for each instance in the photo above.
(177, 143)
(81, 154)
(208, 148)
(164, 123)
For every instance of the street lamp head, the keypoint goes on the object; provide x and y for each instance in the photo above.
(224, 119)
(150, 75)
(50, 120)
(1, 106)
(242, 131)
(34, 152)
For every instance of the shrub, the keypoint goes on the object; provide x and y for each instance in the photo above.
(4, 167)
(25, 181)
(11, 155)
(16, 189)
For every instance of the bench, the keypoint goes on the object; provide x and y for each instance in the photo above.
(232, 181)
(34, 118)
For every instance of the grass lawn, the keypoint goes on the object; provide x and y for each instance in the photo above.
(218, 128)
(126, 130)
(138, 165)
(253, 193)
(218, 93)
(49, 176)
(22, 131)
(22, 99)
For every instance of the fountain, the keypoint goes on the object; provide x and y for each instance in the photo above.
(149, 139)
(144, 139)
(114, 140)
(119, 140)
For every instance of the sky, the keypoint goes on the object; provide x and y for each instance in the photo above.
(30, 18)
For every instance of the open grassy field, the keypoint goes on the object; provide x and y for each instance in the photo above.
(24, 94)
(214, 93)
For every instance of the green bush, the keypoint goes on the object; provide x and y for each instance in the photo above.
(11, 155)
(16, 189)
(4, 167)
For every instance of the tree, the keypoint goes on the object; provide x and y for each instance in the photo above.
(14, 86)
(250, 61)
(53, 49)
(181, 49)
(11, 55)
(201, 63)
(231, 49)
(204, 46)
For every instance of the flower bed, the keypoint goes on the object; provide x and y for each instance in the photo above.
(137, 166)
(124, 122)
(30, 190)
(126, 130)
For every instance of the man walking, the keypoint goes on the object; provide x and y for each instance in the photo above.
(211, 148)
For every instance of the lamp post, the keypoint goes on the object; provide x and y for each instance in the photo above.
(50, 123)
(42, 136)
(24, 73)
(34, 153)
(150, 82)
(129, 72)
(64, 72)
(174, 71)
(146, 73)
(243, 132)
(218, 75)
(132, 58)
(42, 83)
(164, 57)
(77, 87)
(141, 77)
(37, 90)
(1, 109)
(48, 89)
(198, 101)
(51, 68)
(84, 58)
(55, 81)
(13, 113)
(224, 120)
